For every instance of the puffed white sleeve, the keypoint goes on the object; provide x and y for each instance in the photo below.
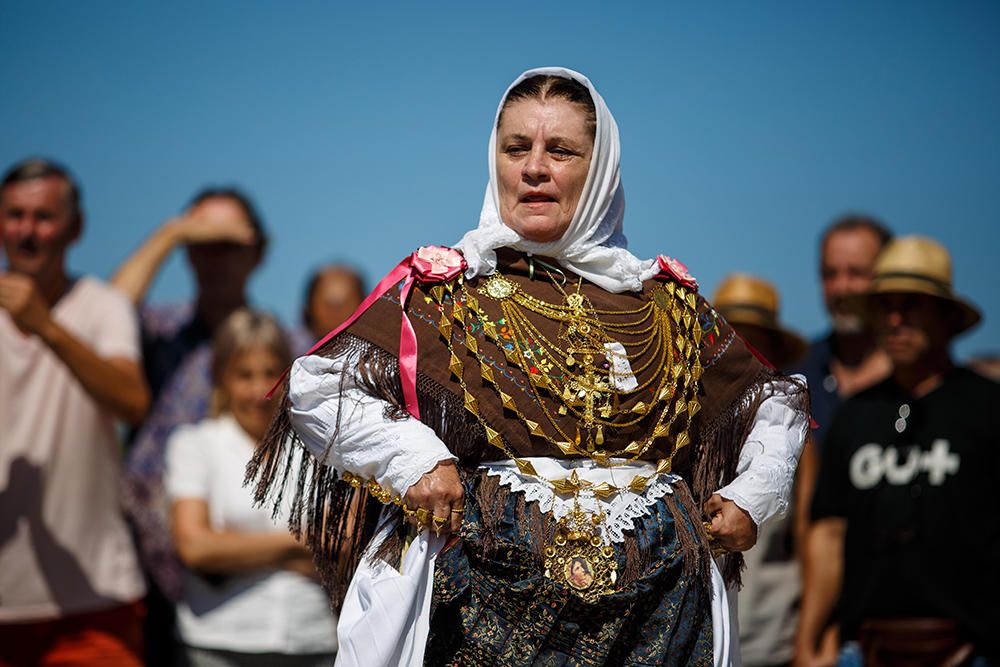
(766, 469)
(347, 428)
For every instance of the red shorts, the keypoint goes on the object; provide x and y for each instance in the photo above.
(106, 637)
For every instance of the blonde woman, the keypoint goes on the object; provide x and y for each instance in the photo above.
(250, 594)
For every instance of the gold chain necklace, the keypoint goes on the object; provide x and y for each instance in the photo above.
(587, 394)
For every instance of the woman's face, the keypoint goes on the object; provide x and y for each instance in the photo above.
(543, 154)
(245, 381)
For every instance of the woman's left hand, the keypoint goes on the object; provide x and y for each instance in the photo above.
(730, 526)
(439, 497)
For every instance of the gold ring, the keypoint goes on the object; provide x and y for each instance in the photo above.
(423, 515)
(457, 510)
(439, 523)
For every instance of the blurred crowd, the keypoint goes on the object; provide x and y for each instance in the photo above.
(141, 545)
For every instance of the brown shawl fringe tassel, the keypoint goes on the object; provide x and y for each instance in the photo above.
(336, 520)
(717, 453)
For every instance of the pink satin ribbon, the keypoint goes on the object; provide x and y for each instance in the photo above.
(407, 338)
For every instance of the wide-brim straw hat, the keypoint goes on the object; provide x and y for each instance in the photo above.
(919, 265)
(751, 305)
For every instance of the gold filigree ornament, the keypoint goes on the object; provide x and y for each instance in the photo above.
(499, 288)
(579, 559)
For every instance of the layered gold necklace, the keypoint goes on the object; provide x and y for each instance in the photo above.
(659, 340)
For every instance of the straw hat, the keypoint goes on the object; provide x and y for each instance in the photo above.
(750, 304)
(919, 265)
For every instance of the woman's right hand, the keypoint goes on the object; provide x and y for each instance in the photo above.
(439, 492)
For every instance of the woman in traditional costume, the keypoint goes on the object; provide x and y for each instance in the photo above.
(582, 443)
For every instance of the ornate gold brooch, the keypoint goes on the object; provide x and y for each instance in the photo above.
(499, 288)
(579, 559)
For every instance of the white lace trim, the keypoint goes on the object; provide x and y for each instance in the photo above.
(621, 509)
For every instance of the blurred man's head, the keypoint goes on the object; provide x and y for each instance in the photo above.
(40, 216)
(848, 251)
(225, 263)
(912, 327)
(914, 308)
(333, 293)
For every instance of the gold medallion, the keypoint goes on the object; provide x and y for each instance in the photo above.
(579, 559)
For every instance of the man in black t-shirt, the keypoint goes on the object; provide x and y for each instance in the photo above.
(906, 506)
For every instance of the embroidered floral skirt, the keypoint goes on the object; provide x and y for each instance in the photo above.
(493, 604)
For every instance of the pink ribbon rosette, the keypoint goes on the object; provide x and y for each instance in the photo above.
(429, 265)
(437, 264)
(677, 271)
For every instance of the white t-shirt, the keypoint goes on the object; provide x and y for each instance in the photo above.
(253, 612)
(64, 547)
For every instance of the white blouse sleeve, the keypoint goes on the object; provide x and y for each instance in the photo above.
(766, 469)
(365, 442)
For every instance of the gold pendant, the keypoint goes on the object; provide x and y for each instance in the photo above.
(499, 288)
(579, 559)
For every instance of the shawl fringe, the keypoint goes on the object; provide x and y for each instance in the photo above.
(334, 519)
(717, 452)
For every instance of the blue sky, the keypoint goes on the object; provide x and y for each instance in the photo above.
(361, 128)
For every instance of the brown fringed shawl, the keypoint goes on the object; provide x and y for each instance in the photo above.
(338, 519)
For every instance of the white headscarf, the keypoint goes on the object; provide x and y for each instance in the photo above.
(594, 245)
